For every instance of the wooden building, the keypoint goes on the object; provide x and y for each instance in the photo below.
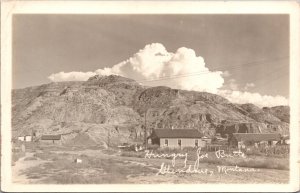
(238, 139)
(177, 138)
(54, 139)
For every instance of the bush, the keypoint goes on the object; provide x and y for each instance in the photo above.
(189, 149)
(255, 152)
(274, 151)
(168, 150)
(153, 147)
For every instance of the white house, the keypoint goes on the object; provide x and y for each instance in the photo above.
(25, 138)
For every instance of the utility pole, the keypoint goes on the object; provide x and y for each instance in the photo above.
(145, 130)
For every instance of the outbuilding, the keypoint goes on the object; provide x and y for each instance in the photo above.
(54, 139)
(239, 139)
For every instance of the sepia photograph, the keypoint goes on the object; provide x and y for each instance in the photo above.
(158, 98)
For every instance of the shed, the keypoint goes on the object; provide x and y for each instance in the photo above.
(177, 138)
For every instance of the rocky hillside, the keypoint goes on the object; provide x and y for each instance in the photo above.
(112, 109)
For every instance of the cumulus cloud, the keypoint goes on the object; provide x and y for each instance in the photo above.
(182, 69)
(233, 85)
(71, 76)
(249, 85)
(226, 74)
(155, 66)
(254, 98)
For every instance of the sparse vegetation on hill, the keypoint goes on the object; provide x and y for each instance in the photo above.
(109, 110)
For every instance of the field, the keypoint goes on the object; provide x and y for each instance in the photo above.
(56, 165)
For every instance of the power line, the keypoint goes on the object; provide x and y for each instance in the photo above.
(231, 67)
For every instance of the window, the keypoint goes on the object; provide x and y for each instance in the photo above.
(166, 142)
(179, 142)
(196, 142)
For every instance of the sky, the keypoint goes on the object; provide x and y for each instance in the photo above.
(244, 58)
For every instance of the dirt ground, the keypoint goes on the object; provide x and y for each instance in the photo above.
(102, 167)
(20, 167)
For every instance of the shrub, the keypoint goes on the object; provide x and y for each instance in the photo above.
(189, 149)
(168, 150)
(153, 147)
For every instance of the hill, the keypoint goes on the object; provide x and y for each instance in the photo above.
(109, 110)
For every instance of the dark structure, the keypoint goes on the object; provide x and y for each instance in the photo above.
(51, 138)
(252, 138)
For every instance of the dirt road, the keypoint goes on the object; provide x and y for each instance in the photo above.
(18, 170)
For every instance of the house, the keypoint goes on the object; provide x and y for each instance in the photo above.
(238, 139)
(26, 136)
(177, 138)
(55, 139)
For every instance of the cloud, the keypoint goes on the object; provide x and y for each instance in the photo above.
(233, 84)
(249, 85)
(71, 76)
(254, 98)
(155, 66)
(181, 70)
(226, 74)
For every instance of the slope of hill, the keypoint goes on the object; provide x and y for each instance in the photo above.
(111, 109)
(281, 112)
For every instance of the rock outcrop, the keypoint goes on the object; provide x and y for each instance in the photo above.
(111, 109)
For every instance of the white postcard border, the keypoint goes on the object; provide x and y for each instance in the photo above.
(8, 8)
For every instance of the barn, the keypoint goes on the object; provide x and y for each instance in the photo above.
(177, 138)
(54, 139)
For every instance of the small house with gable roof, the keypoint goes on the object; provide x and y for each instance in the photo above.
(177, 138)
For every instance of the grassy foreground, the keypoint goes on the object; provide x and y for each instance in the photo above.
(99, 166)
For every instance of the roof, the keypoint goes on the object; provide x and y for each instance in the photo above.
(285, 137)
(51, 137)
(257, 136)
(25, 133)
(176, 133)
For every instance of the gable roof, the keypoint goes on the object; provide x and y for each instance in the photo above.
(257, 136)
(176, 133)
(51, 137)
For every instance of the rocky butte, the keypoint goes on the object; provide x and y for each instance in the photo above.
(89, 112)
